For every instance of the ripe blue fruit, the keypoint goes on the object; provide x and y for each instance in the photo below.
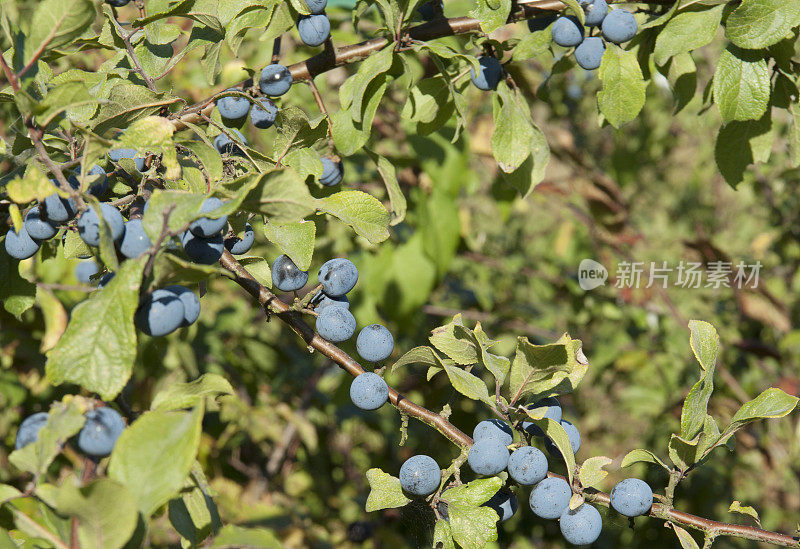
(488, 457)
(28, 431)
(233, 107)
(369, 391)
(161, 313)
(552, 411)
(97, 178)
(118, 154)
(420, 475)
(490, 74)
(135, 241)
(323, 301)
(117, 3)
(619, 26)
(541, 23)
(336, 324)
(89, 224)
(275, 80)
(567, 32)
(574, 439)
(527, 465)
(337, 276)
(100, 432)
(596, 11)
(314, 29)
(504, 503)
(239, 246)
(332, 172)
(207, 227)
(632, 497)
(263, 114)
(58, 209)
(589, 54)
(190, 301)
(202, 250)
(226, 145)
(550, 498)
(493, 428)
(85, 270)
(316, 6)
(286, 276)
(20, 245)
(374, 343)
(581, 526)
(37, 226)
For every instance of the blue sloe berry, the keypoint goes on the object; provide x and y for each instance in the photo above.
(632, 497)
(504, 503)
(589, 54)
(28, 431)
(89, 224)
(202, 250)
(490, 75)
(527, 465)
(374, 343)
(567, 31)
(314, 29)
(239, 246)
(581, 526)
(263, 114)
(190, 301)
(135, 241)
(332, 172)
(488, 457)
(275, 80)
(493, 428)
(20, 245)
(337, 276)
(550, 498)
(233, 107)
(369, 391)
(286, 276)
(226, 145)
(420, 475)
(161, 313)
(619, 26)
(85, 270)
(99, 434)
(336, 324)
(37, 226)
(207, 227)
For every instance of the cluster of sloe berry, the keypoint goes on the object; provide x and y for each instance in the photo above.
(527, 465)
(96, 438)
(314, 28)
(337, 324)
(616, 26)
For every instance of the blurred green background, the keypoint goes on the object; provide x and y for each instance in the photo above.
(289, 452)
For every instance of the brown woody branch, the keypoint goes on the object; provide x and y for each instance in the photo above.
(294, 320)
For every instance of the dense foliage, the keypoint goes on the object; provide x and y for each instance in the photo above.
(218, 215)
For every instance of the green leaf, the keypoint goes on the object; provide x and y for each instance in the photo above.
(704, 341)
(370, 69)
(63, 421)
(259, 268)
(539, 369)
(593, 471)
(297, 131)
(533, 45)
(458, 346)
(687, 31)
(468, 384)
(154, 134)
(623, 93)
(493, 14)
(294, 239)
(98, 349)
(685, 538)
(772, 403)
(474, 493)
(741, 85)
(238, 537)
(756, 24)
(279, 194)
(385, 491)
(737, 507)
(641, 455)
(556, 433)
(188, 395)
(154, 455)
(473, 526)
(75, 247)
(127, 103)
(105, 510)
(513, 130)
(443, 536)
(418, 355)
(496, 364)
(33, 185)
(56, 23)
(683, 452)
(194, 515)
(397, 200)
(17, 294)
(740, 144)
(363, 212)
